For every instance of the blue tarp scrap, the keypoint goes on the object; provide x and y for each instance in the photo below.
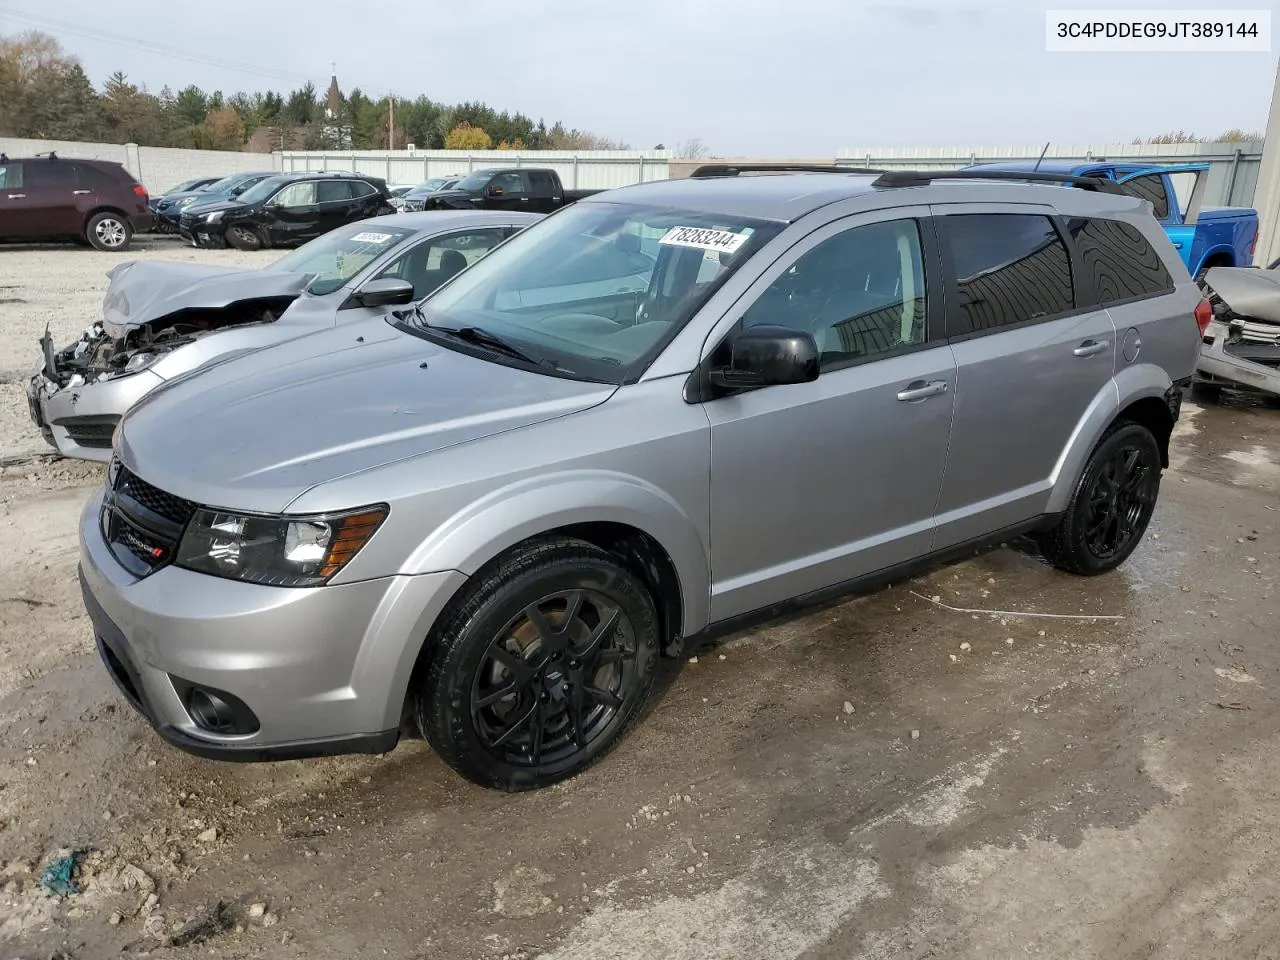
(59, 877)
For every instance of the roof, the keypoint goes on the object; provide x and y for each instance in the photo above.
(1074, 167)
(454, 219)
(783, 196)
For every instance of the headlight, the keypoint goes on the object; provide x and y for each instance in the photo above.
(213, 217)
(280, 551)
(139, 361)
(186, 201)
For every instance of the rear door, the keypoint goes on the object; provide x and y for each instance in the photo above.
(1030, 361)
(52, 187)
(15, 211)
(545, 194)
(335, 204)
(1174, 193)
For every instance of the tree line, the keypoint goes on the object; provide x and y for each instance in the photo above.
(45, 94)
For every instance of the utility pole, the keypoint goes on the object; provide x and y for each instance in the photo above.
(391, 124)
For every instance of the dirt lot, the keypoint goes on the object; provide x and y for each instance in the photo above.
(891, 777)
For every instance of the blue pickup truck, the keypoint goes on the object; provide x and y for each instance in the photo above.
(1204, 236)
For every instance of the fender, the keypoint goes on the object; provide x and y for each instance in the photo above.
(1133, 383)
(509, 515)
(1229, 250)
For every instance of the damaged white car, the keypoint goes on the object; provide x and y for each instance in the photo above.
(1242, 342)
(161, 320)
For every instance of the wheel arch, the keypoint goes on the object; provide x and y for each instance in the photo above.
(1138, 393)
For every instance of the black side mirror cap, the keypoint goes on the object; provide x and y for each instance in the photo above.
(768, 356)
(384, 292)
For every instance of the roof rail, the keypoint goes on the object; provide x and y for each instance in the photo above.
(4, 158)
(919, 178)
(51, 155)
(737, 169)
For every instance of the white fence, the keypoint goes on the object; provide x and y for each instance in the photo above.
(1233, 167)
(584, 169)
(157, 168)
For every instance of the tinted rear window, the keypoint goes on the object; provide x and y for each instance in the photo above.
(1010, 268)
(51, 173)
(1150, 188)
(1118, 260)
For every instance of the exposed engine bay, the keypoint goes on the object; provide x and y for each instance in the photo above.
(97, 356)
(1242, 344)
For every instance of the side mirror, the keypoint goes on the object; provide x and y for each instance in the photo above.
(384, 292)
(767, 357)
(494, 191)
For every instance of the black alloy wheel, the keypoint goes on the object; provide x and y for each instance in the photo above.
(539, 667)
(1112, 505)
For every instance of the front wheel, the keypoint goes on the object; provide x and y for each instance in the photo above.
(244, 238)
(1112, 505)
(108, 231)
(542, 665)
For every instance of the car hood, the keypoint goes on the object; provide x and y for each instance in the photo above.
(208, 206)
(1248, 291)
(143, 291)
(258, 431)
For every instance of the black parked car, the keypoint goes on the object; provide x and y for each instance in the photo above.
(285, 210)
(169, 208)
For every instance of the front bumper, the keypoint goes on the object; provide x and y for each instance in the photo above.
(324, 670)
(211, 236)
(1250, 365)
(79, 421)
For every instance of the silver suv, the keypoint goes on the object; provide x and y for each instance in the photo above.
(658, 412)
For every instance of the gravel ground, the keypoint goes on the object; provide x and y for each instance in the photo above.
(62, 287)
(893, 776)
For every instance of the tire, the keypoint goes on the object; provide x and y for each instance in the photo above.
(108, 231)
(244, 238)
(500, 690)
(1083, 544)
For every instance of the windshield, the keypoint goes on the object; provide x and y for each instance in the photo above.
(596, 291)
(262, 189)
(429, 186)
(474, 181)
(340, 254)
(226, 183)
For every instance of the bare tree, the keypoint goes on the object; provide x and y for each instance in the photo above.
(692, 149)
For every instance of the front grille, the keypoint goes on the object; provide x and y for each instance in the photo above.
(172, 508)
(142, 523)
(96, 435)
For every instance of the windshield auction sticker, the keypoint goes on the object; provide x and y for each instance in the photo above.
(702, 238)
(1158, 31)
(372, 237)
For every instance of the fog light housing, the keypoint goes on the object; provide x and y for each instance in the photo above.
(216, 711)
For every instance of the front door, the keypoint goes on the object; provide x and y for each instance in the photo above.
(1030, 363)
(818, 483)
(295, 213)
(508, 191)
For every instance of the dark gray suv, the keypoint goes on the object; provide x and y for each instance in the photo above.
(657, 413)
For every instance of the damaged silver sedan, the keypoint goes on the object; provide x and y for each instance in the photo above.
(161, 320)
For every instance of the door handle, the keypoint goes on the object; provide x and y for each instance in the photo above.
(17, 196)
(1090, 348)
(922, 389)
(80, 193)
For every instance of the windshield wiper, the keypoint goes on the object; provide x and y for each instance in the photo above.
(483, 338)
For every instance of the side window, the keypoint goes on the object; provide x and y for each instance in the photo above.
(1151, 188)
(51, 173)
(1010, 268)
(361, 188)
(301, 194)
(1118, 259)
(10, 176)
(860, 293)
(508, 183)
(541, 184)
(431, 263)
(330, 191)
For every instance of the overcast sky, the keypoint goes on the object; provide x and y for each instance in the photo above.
(750, 77)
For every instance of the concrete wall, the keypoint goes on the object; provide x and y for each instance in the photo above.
(578, 169)
(157, 168)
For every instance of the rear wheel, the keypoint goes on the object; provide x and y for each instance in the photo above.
(108, 231)
(1112, 504)
(244, 238)
(541, 666)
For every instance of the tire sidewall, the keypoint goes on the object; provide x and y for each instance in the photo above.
(1126, 434)
(449, 696)
(237, 234)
